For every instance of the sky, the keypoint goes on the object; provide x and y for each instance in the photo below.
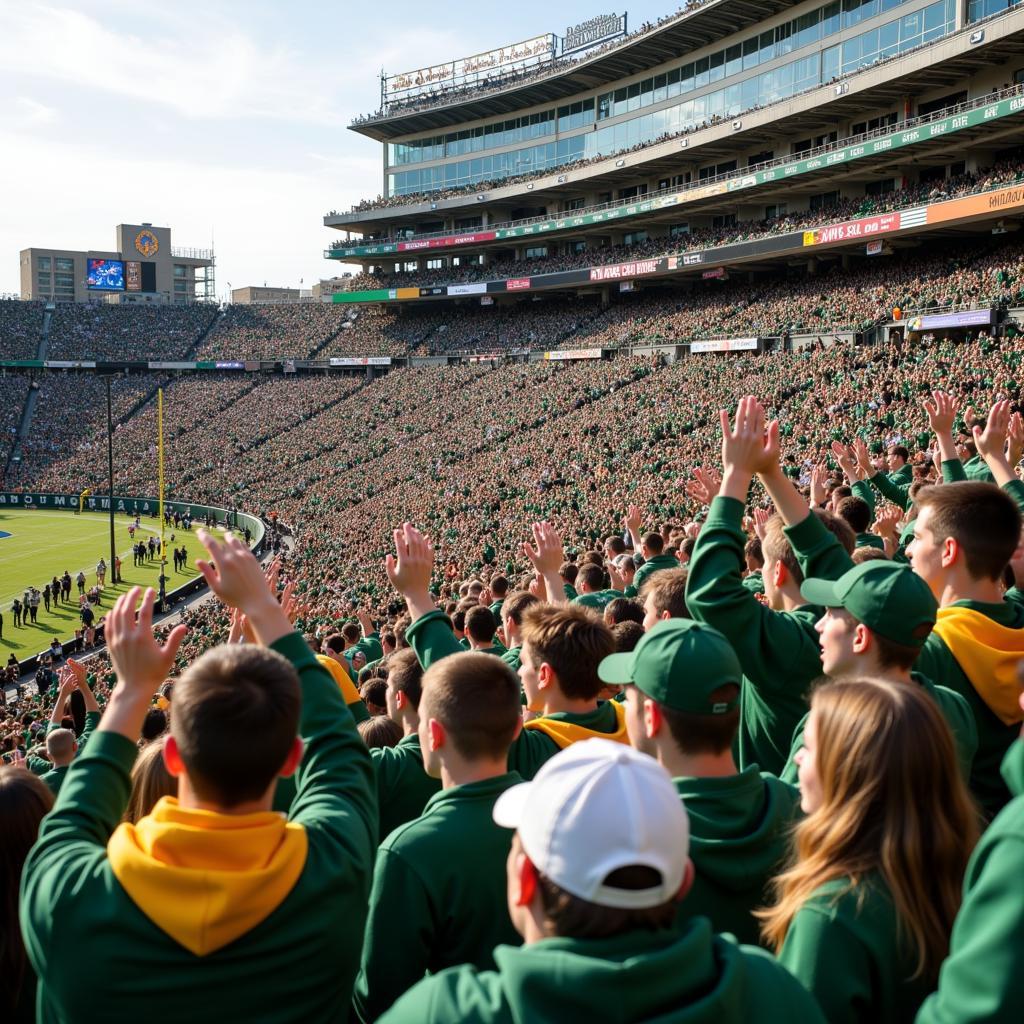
(226, 121)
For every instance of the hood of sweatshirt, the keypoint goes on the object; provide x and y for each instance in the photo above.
(206, 878)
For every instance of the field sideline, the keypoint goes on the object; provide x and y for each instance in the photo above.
(43, 543)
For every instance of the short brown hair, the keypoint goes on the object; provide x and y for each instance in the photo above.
(623, 609)
(499, 586)
(705, 734)
(777, 548)
(573, 641)
(592, 575)
(405, 675)
(667, 590)
(568, 571)
(236, 716)
(654, 542)
(480, 624)
(351, 632)
(856, 511)
(627, 635)
(983, 519)
(476, 698)
(379, 731)
(515, 606)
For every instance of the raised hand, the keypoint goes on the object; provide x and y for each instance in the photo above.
(704, 486)
(140, 662)
(847, 463)
(761, 517)
(411, 568)
(863, 457)
(1015, 440)
(991, 442)
(547, 558)
(749, 445)
(633, 521)
(819, 485)
(941, 411)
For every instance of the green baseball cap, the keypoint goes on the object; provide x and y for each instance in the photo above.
(678, 663)
(887, 597)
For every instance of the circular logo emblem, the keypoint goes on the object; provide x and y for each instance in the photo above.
(146, 243)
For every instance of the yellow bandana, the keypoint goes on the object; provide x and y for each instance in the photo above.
(989, 655)
(205, 878)
(564, 733)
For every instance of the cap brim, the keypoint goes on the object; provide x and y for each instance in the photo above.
(508, 808)
(821, 592)
(617, 668)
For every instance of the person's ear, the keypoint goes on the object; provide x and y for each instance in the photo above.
(291, 762)
(526, 880)
(436, 734)
(172, 758)
(665, 615)
(780, 574)
(950, 552)
(689, 874)
(861, 639)
(545, 676)
(400, 699)
(653, 719)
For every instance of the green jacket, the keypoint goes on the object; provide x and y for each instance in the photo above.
(739, 837)
(54, 777)
(403, 786)
(653, 565)
(982, 979)
(845, 947)
(778, 651)
(870, 540)
(432, 638)
(598, 600)
(512, 657)
(754, 581)
(676, 976)
(433, 906)
(99, 956)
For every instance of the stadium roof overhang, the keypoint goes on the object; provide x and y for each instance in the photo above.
(677, 37)
(814, 114)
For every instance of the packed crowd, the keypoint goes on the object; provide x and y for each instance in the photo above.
(13, 392)
(783, 634)
(127, 332)
(297, 330)
(21, 325)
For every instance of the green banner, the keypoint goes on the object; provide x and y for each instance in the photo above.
(374, 295)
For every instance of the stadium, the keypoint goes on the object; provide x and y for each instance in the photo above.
(586, 250)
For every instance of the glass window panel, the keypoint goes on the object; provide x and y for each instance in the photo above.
(830, 63)
(686, 78)
(751, 53)
(784, 39)
(733, 60)
(830, 18)
(717, 68)
(647, 93)
(701, 73)
(767, 47)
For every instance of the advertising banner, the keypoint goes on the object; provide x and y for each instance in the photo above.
(517, 284)
(861, 228)
(446, 240)
(593, 32)
(477, 288)
(69, 364)
(574, 353)
(361, 361)
(969, 318)
(725, 345)
(621, 270)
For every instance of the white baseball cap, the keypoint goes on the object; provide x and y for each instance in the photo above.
(595, 807)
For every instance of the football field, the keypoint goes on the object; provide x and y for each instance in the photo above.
(36, 545)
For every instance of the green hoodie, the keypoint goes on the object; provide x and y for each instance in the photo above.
(844, 945)
(100, 956)
(983, 976)
(739, 836)
(655, 564)
(439, 895)
(681, 975)
(778, 651)
(597, 600)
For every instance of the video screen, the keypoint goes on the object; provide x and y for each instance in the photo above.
(105, 275)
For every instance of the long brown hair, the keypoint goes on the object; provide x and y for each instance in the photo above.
(24, 801)
(893, 804)
(150, 781)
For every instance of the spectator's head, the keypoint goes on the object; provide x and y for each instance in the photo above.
(480, 626)
(568, 572)
(964, 536)
(562, 647)
(469, 713)
(898, 456)
(374, 693)
(580, 868)
(856, 512)
(379, 731)
(404, 688)
(882, 790)
(752, 554)
(150, 781)
(867, 553)
(499, 587)
(782, 574)
(333, 645)
(351, 633)
(664, 596)
(623, 609)
(627, 635)
(614, 546)
(590, 579)
(682, 693)
(387, 641)
(61, 746)
(512, 612)
(234, 728)
(24, 801)
(878, 616)
(652, 544)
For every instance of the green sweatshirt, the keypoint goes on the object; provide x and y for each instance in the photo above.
(403, 786)
(870, 540)
(845, 948)
(778, 651)
(431, 637)
(598, 599)
(982, 979)
(739, 836)
(754, 582)
(889, 487)
(512, 657)
(98, 955)
(681, 975)
(54, 777)
(653, 565)
(439, 895)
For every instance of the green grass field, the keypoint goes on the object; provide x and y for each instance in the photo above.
(42, 544)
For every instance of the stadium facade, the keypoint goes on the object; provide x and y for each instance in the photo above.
(142, 268)
(730, 111)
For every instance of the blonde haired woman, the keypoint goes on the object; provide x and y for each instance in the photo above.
(150, 781)
(863, 915)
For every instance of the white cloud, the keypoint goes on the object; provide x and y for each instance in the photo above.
(28, 111)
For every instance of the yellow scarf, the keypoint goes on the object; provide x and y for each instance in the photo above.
(564, 733)
(349, 693)
(205, 878)
(989, 655)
